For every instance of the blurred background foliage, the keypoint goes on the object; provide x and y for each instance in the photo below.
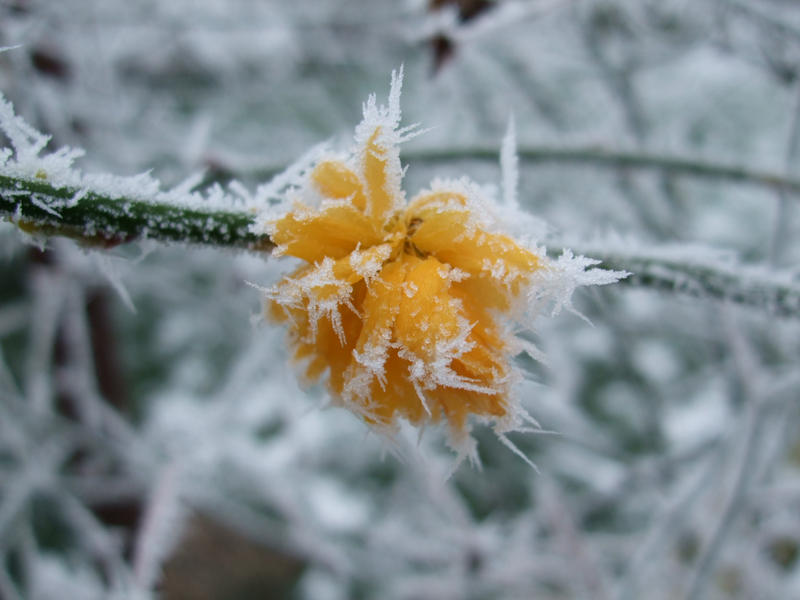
(153, 441)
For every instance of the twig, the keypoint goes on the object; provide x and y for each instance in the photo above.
(763, 17)
(733, 284)
(600, 156)
(780, 230)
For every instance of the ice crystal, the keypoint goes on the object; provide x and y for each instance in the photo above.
(407, 309)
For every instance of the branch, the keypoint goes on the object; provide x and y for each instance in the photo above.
(729, 282)
(596, 155)
(41, 208)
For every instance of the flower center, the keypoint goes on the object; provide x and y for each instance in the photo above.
(408, 246)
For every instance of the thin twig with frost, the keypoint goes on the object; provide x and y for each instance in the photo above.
(700, 277)
(161, 527)
(600, 156)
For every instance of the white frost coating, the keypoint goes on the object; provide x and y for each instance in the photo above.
(410, 289)
(26, 141)
(106, 265)
(46, 204)
(721, 260)
(276, 187)
(511, 446)
(687, 265)
(556, 283)
(454, 275)
(373, 358)
(27, 159)
(486, 211)
(321, 277)
(77, 197)
(368, 269)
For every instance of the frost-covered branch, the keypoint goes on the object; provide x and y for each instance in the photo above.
(44, 194)
(720, 280)
(41, 208)
(595, 155)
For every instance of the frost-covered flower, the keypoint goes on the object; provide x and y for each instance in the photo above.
(407, 308)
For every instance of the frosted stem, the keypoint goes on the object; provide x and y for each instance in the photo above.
(718, 282)
(97, 220)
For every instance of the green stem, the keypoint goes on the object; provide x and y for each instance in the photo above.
(43, 209)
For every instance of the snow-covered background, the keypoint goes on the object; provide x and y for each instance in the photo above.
(153, 441)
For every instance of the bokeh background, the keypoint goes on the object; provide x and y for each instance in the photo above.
(153, 440)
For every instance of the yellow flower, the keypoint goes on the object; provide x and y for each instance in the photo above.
(404, 308)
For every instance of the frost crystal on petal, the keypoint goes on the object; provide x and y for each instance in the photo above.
(406, 309)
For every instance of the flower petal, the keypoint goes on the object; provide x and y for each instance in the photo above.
(369, 372)
(440, 224)
(325, 289)
(419, 357)
(335, 180)
(382, 175)
(334, 231)
(317, 343)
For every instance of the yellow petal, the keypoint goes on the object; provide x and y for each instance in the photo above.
(440, 225)
(319, 346)
(395, 397)
(427, 313)
(333, 231)
(380, 191)
(369, 369)
(324, 290)
(457, 405)
(335, 180)
(380, 308)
